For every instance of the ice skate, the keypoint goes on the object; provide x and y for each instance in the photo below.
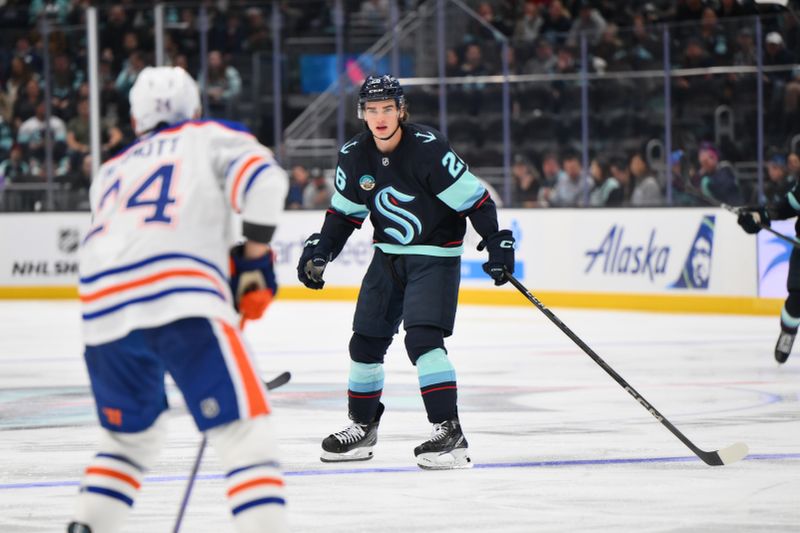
(75, 527)
(353, 443)
(446, 449)
(784, 346)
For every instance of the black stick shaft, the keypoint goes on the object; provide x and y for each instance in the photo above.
(709, 458)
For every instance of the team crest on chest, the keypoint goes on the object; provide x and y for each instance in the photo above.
(385, 161)
(367, 182)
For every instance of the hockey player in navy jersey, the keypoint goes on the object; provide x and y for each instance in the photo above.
(418, 194)
(752, 220)
(160, 289)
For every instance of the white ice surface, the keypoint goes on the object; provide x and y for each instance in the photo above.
(558, 445)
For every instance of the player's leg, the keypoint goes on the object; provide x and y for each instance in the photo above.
(364, 389)
(429, 313)
(214, 369)
(128, 384)
(790, 314)
(376, 320)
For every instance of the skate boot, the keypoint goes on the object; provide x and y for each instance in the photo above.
(446, 449)
(784, 346)
(75, 527)
(353, 443)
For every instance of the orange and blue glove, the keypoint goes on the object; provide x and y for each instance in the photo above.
(252, 282)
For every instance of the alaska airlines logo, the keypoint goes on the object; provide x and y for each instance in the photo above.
(620, 257)
(697, 267)
(386, 201)
(346, 148)
(428, 136)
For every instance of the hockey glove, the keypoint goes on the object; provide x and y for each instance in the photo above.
(252, 283)
(753, 219)
(311, 265)
(500, 246)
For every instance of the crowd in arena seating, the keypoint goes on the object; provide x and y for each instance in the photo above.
(544, 37)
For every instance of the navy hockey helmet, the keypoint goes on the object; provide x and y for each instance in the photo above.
(376, 88)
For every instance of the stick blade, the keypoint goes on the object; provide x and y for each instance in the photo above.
(733, 453)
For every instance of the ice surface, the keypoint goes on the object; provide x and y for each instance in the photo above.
(557, 444)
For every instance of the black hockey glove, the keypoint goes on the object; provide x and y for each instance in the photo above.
(311, 265)
(500, 246)
(753, 219)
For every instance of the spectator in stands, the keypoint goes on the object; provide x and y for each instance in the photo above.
(30, 56)
(19, 76)
(528, 27)
(745, 54)
(187, 36)
(76, 183)
(611, 49)
(646, 189)
(606, 190)
(78, 136)
(31, 136)
(526, 183)
(115, 27)
(473, 66)
(65, 81)
(732, 8)
(544, 61)
(452, 63)
(589, 22)
(557, 23)
(645, 47)
(777, 184)
(298, 181)
(715, 178)
(26, 102)
(233, 35)
(478, 33)
(6, 138)
(318, 192)
(792, 97)
(570, 187)
(223, 85)
(127, 77)
(257, 32)
(713, 37)
(551, 174)
(14, 169)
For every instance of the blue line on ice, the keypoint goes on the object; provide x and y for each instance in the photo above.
(406, 469)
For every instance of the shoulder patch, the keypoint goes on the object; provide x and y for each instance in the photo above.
(426, 136)
(346, 148)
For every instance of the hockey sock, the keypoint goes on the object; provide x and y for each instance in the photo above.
(437, 383)
(249, 453)
(113, 477)
(790, 314)
(364, 390)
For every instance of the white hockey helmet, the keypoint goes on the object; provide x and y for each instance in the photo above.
(163, 94)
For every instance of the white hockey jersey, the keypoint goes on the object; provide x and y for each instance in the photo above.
(157, 250)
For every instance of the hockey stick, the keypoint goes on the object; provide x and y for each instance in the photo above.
(274, 383)
(725, 456)
(700, 195)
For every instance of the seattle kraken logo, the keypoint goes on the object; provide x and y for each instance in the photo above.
(386, 203)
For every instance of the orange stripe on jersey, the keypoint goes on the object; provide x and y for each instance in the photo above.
(255, 483)
(256, 400)
(238, 180)
(94, 470)
(86, 298)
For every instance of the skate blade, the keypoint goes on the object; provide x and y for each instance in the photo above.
(359, 454)
(458, 458)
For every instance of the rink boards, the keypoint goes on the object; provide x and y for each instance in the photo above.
(681, 259)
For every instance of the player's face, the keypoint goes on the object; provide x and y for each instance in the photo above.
(382, 117)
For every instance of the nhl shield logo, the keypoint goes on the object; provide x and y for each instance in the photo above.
(68, 240)
(367, 182)
(385, 161)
